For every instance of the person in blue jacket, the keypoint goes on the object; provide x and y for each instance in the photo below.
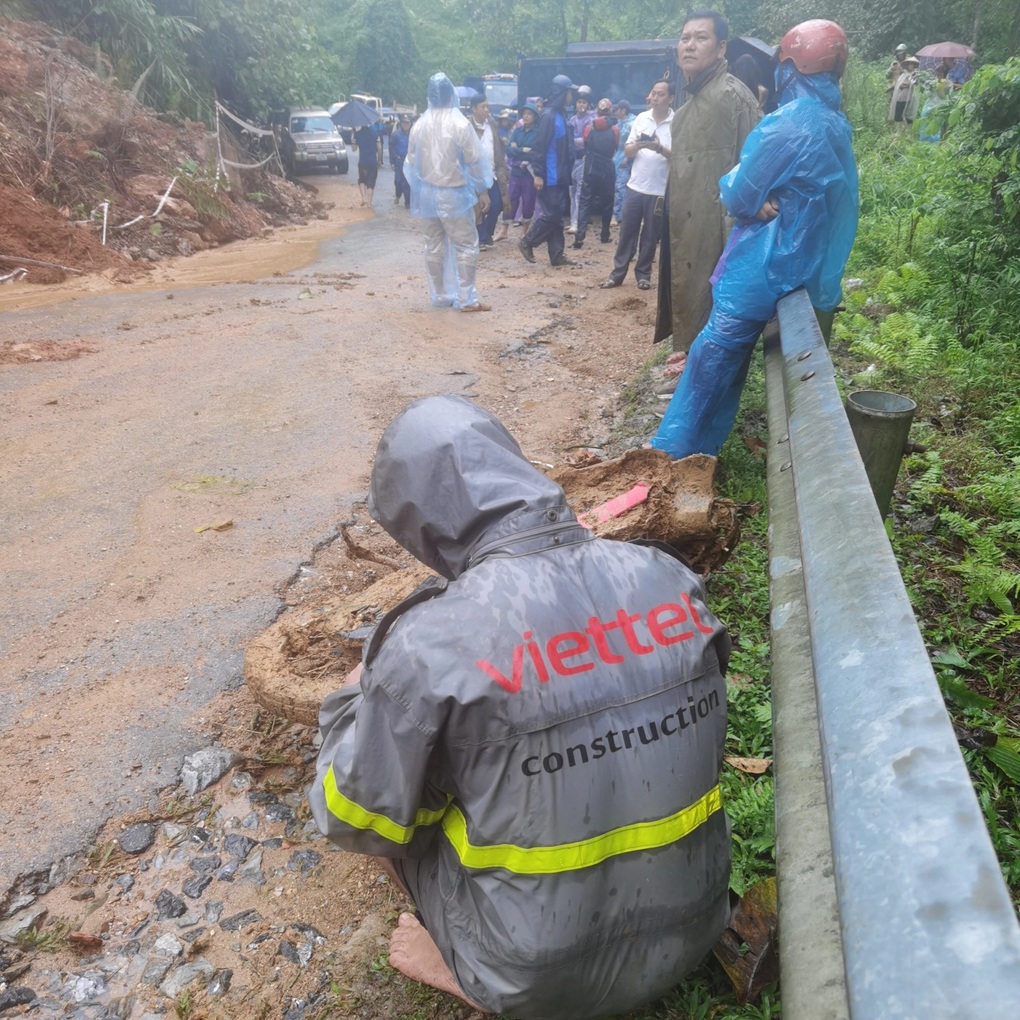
(794, 198)
(552, 161)
(399, 138)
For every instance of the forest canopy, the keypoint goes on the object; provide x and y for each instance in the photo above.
(259, 54)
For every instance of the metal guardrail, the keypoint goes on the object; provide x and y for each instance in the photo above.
(891, 900)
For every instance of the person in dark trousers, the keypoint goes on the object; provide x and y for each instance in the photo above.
(492, 145)
(518, 157)
(648, 149)
(794, 198)
(531, 746)
(368, 144)
(551, 165)
(398, 153)
(598, 180)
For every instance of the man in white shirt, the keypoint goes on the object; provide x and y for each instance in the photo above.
(648, 147)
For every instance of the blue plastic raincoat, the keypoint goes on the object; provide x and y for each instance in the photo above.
(446, 167)
(801, 157)
(446, 170)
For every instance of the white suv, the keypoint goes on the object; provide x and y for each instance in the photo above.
(309, 138)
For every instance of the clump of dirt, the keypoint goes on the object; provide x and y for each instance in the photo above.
(79, 156)
(32, 232)
(295, 663)
(12, 353)
(292, 665)
(681, 508)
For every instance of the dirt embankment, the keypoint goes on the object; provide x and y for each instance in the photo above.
(76, 148)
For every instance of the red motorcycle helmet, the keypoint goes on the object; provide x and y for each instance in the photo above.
(815, 46)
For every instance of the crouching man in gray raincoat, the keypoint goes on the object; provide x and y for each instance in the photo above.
(534, 742)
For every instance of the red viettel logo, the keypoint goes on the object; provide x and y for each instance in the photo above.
(575, 651)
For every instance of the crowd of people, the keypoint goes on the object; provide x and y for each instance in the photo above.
(531, 746)
(909, 85)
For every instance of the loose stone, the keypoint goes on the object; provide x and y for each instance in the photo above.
(237, 922)
(203, 768)
(186, 975)
(194, 887)
(239, 846)
(169, 905)
(220, 983)
(137, 839)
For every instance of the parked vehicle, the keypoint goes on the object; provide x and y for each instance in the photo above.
(374, 101)
(308, 138)
(499, 89)
(619, 70)
(625, 69)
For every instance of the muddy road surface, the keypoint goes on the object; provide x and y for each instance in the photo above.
(175, 451)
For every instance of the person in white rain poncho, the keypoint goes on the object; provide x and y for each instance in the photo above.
(448, 172)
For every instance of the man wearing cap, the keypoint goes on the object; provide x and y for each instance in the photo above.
(505, 124)
(578, 124)
(903, 102)
(532, 745)
(895, 68)
(518, 157)
(398, 153)
(715, 116)
(551, 164)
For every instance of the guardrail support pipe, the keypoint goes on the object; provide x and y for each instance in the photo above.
(880, 423)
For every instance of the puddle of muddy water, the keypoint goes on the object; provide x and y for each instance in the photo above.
(284, 250)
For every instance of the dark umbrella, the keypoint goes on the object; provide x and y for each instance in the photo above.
(354, 115)
(947, 49)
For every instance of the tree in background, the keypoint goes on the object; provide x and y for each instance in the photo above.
(375, 44)
(875, 27)
(147, 49)
(259, 54)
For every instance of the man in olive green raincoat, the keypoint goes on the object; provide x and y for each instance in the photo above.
(708, 132)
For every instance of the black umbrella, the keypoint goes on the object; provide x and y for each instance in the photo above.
(354, 115)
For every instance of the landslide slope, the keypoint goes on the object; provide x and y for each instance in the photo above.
(72, 138)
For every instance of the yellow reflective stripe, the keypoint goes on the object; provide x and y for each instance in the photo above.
(548, 860)
(358, 817)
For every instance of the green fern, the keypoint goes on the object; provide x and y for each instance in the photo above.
(750, 806)
(1005, 758)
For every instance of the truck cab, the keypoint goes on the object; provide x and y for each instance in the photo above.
(374, 101)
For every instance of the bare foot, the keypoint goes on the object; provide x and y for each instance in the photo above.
(416, 956)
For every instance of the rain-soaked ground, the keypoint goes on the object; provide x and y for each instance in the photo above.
(247, 385)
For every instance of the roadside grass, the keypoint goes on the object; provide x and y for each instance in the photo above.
(932, 304)
(738, 594)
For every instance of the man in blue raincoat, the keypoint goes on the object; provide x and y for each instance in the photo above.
(448, 172)
(794, 197)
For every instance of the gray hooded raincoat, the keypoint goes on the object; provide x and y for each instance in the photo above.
(538, 745)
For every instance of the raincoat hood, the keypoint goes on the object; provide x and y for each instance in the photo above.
(791, 85)
(446, 474)
(441, 92)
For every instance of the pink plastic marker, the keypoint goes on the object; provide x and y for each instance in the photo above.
(616, 506)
